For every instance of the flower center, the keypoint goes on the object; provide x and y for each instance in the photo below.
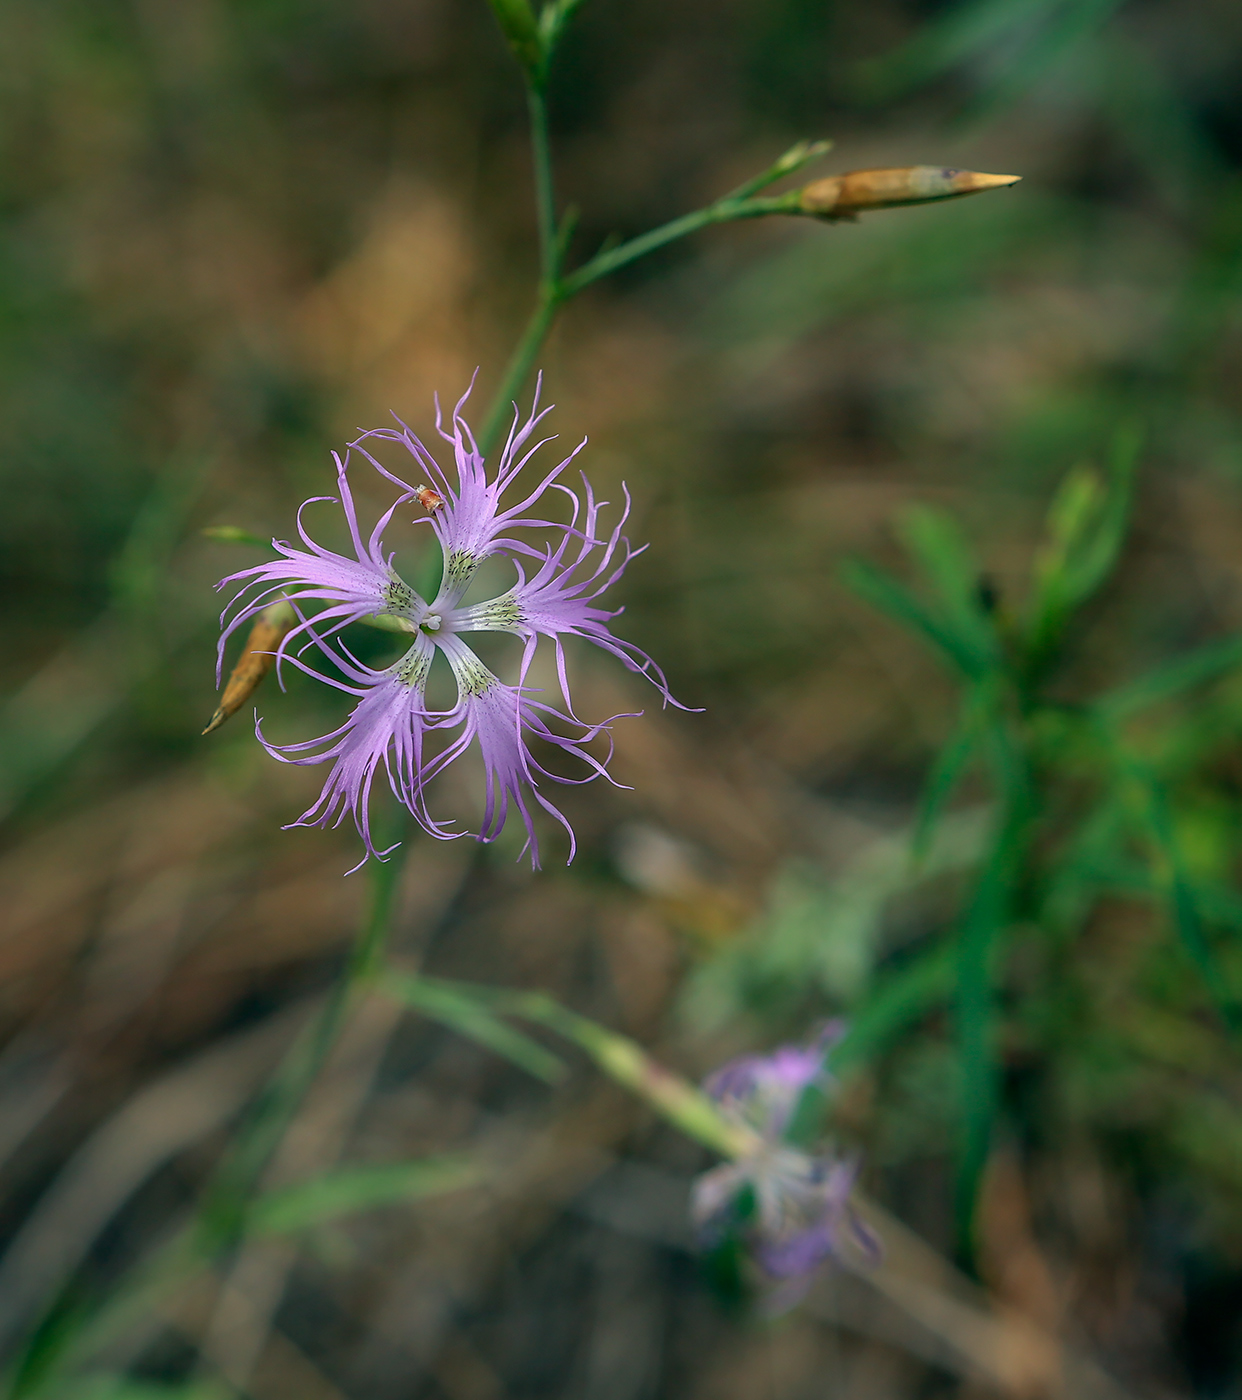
(431, 623)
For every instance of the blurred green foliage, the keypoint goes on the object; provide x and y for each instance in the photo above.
(1039, 390)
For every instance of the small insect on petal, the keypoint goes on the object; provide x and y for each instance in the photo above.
(427, 498)
(843, 196)
(256, 660)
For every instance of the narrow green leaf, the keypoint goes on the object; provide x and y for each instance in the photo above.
(553, 19)
(1101, 548)
(1179, 891)
(454, 1005)
(954, 37)
(1074, 510)
(978, 1064)
(898, 1001)
(935, 541)
(1087, 524)
(353, 1189)
(1169, 680)
(884, 592)
(519, 26)
(684, 1105)
(951, 765)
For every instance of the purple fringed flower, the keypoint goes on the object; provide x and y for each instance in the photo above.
(556, 595)
(802, 1213)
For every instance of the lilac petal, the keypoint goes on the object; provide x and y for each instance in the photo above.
(814, 1222)
(764, 1090)
(353, 588)
(386, 727)
(557, 595)
(799, 1254)
(471, 526)
(559, 599)
(502, 719)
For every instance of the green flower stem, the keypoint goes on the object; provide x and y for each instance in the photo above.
(723, 211)
(545, 188)
(519, 368)
(983, 926)
(628, 1064)
(684, 1105)
(555, 288)
(222, 1218)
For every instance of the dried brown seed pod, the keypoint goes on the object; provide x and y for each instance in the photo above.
(843, 196)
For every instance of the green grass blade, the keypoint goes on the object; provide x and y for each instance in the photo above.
(936, 543)
(977, 1062)
(1172, 679)
(883, 591)
(470, 1015)
(1181, 900)
(898, 1002)
(950, 767)
(985, 919)
(353, 1189)
(1095, 560)
(1086, 528)
(951, 39)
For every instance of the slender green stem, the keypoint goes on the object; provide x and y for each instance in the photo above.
(722, 212)
(223, 1214)
(555, 288)
(792, 161)
(551, 255)
(545, 189)
(559, 289)
(518, 370)
(621, 1058)
(989, 911)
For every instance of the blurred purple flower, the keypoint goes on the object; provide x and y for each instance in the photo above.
(555, 596)
(802, 1213)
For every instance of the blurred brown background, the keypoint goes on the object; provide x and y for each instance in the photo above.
(233, 233)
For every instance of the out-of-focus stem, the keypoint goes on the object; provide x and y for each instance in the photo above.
(683, 1104)
(222, 1217)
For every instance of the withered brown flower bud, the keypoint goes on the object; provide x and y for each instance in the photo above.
(258, 655)
(844, 196)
